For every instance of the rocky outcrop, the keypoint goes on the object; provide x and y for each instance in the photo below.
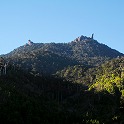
(83, 38)
(30, 42)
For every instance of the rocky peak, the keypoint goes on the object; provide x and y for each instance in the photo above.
(84, 38)
(30, 42)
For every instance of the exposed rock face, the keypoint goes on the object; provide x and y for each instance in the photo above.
(30, 42)
(83, 38)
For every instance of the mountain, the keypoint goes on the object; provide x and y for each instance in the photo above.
(87, 86)
(48, 58)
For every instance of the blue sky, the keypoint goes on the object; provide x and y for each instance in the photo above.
(60, 21)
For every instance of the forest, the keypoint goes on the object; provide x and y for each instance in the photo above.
(81, 82)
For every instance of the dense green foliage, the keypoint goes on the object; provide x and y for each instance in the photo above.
(110, 75)
(46, 63)
(29, 99)
(32, 99)
(81, 74)
(105, 79)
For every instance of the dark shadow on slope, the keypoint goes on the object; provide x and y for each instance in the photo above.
(29, 99)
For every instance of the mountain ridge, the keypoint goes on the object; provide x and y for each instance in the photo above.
(80, 41)
(81, 51)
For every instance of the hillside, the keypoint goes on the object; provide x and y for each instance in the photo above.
(87, 86)
(107, 78)
(88, 75)
(110, 76)
(48, 58)
(29, 99)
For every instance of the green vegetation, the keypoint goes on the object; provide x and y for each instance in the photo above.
(64, 83)
(110, 76)
(28, 98)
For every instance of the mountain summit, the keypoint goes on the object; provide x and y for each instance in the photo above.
(51, 57)
(84, 38)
